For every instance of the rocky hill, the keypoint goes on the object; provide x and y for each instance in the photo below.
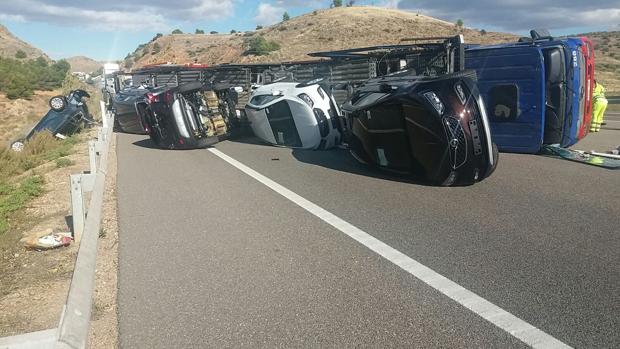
(13, 47)
(83, 64)
(329, 29)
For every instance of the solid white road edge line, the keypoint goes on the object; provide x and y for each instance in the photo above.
(518, 328)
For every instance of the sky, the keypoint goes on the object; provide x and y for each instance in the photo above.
(108, 30)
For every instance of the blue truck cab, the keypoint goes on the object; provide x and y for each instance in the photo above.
(532, 91)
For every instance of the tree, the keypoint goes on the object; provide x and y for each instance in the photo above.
(20, 54)
(128, 63)
(177, 31)
(213, 32)
(483, 32)
(337, 3)
(156, 49)
(285, 17)
(259, 46)
(200, 31)
(459, 24)
(259, 27)
(350, 3)
(233, 31)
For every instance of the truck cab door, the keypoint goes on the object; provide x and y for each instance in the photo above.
(511, 80)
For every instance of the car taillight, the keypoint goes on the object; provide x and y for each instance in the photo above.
(152, 98)
(167, 97)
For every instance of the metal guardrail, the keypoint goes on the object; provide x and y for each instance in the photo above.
(74, 326)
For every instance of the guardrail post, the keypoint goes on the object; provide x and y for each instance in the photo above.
(92, 155)
(77, 206)
(103, 113)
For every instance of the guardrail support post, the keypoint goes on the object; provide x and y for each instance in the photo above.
(92, 156)
(77, 206)
(103, 113)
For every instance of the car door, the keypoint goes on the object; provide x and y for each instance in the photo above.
(511, 80)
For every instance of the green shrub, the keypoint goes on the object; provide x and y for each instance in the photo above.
(199, 31)
(64, 162)
(20, 54)
(15, 197)
(19, 78)
(337, 3)
(156, 49)
(258, 45)
(177, 31)
(285, 17)
(259, 27)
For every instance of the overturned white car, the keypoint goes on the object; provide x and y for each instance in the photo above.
(297, 115)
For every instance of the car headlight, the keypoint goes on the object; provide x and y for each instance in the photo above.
(306, 99)
(435, 101)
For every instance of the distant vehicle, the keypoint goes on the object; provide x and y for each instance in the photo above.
(67, 115)
(192, 115)
(435, 128)
(297, 115)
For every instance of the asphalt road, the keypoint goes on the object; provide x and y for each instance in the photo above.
(210, 257)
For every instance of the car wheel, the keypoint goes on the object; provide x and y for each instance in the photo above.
(18, 145)
(58, 103)
(117, 127)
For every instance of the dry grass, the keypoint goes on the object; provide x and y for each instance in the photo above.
(41, 148)
(19, 115)
(18, 184)
(329, 29)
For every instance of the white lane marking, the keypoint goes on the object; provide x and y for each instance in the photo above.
(518, 328)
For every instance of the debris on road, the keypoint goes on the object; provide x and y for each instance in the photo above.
(589, 158)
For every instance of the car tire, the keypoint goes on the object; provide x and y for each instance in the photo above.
(58, 103)
(117, 127)
(18, 145)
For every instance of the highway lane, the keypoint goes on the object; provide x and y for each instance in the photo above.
(210, 257)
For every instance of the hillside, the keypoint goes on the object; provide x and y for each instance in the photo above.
(607, 53)
(10, 45)
(322, 30)
(83, 64)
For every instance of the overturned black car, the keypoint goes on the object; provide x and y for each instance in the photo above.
(192, 115)
(67, 115)
(128, 106)
(432, 127)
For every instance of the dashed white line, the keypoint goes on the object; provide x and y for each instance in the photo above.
(501, 318)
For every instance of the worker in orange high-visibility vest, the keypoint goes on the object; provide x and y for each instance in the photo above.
(598, 107)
